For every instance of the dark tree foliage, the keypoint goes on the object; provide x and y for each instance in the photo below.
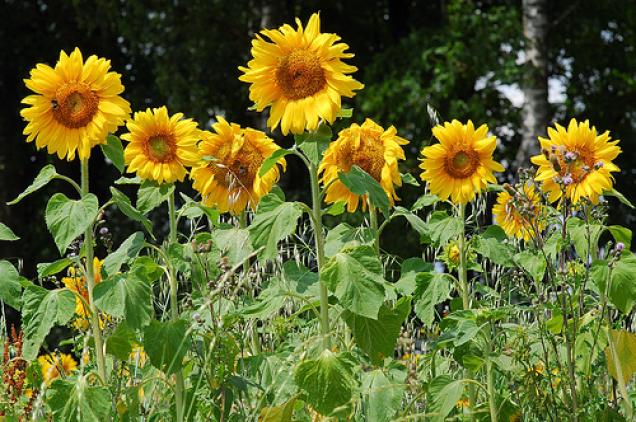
(455, 55)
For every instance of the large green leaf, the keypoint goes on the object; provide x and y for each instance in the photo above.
(114, 151)
(409, 270)
(274, 221)
(621, 234)
(343, 235)
(360, 182)
(282, 413)
(47, 269)
(355, 277)
(120, 343)
(126, 207)
(314, 144)
(377, 337)
(151, 195)
(272, 160)
(41, 309)
(624, 344)
(126, 296)
(166, 344)
(432, 288)
(78, 401)
(416, 222)
(67, 219)
(578, 231)
(328, 381)
(623, 286)
(10, 287)
(442, 227)
(234, 244)
(384, 396)
(126, 252)
(491, 244)
(620, 197)
(6, 233)
(45, 175)
(533, 263)
(444, 394)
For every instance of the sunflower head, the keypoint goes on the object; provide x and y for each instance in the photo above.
(227, 177)
(74, 106)
(461, 164)
(520, 214)
(161, 146)
(369, 147)
(55, 364)
(576, 161)
(300, 74)
(77, 284)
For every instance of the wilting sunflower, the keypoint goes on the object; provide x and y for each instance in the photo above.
(519, 215)
(300, 74)
(75, 105)
(161, 146)
(54, 364)
(77, 284)
(227, 177)
(461, 164)
(369, 147)
(577, 160)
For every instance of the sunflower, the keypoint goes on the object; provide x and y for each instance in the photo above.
(452, 254)
(299, 74)
(227, 177)
(161, 146)
(576, 160)
(53, 363)
(75, 105)
(369, 147)
(461, 164)
(77, 284)
(519, 215)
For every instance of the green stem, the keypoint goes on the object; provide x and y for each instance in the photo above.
(373, 222)
(465, 292)
(174, 306)
(492, 404)
(256, 347)
(320, 252)
(90, 283)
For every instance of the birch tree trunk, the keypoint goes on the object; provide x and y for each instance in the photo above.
(535, 79)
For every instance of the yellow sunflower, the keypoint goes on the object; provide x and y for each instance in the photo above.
(577, 160)
(227, 177)
(300, 74)
(75, 105)
(519, 216)
(54, 364)
(369, 147)
(461, 164)
(77, 284)
(161, 146)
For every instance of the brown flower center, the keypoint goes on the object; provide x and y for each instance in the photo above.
(369, 156)
(241, 171)
(300, 75)
(462, 163)
(161, 148)
(74, 105)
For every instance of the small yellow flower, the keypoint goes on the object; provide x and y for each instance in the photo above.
(461, 164)
(463, 403)
(578, 161)
(229, 179)
(300, 75)
(452, 254)
(75, 105)
(369, 147)
(53, 365)
(519, 216)
(161, 146)
(77, 284)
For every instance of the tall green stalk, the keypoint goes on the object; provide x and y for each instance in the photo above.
(174, 306)
(373, 222)
(256, 346)
(316, 202)
(90, 283)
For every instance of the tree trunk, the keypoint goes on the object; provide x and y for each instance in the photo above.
(535, 79)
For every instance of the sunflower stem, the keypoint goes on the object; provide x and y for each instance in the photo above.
(373, 222)
(465, 292)
(90, 282)
(256, 347)
(174, 306)
(319, 240)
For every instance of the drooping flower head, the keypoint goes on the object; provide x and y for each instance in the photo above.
(161, 146)
(75, 105)
(577, 160)
(369, 147)
(227, 177)
(300, 74)
(519, 215)
(55, 364)
(77, 284)
(461, 164)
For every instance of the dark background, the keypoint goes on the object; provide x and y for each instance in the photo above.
(458, 55)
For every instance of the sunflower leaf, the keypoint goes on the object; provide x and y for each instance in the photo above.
(10, 286)
(620, 197)
(151, 195)
(7, 234)
(314, 144)
(272, 160)
(166, 344)
(126, 207)
(274, 220)
(79, 401)
(67, 219)
(359, 182)
(45, 175)
(114, 151)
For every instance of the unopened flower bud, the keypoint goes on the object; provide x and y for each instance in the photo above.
(598, 165)
(567, 180)
(509, 189)
(620, 246)
(103, 231)
(570, 156)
